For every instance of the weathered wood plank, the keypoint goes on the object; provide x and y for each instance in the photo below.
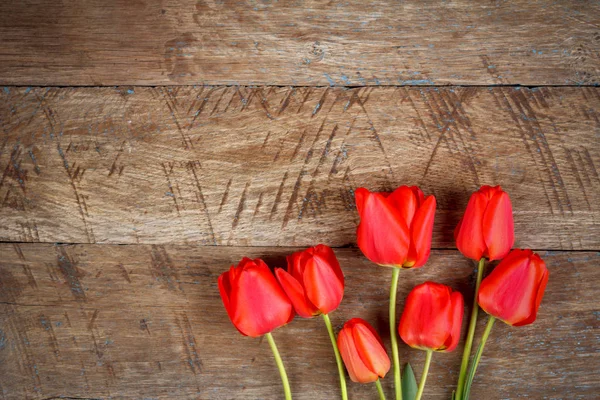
(277, 166)
(141, 321)
(308, 43)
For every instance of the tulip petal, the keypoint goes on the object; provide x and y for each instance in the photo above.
(382, 234)
(469, 238)
(328, 255)
(294, 290)
(498, 226)
(405, 201)
(427, 318)
(361, 196)
(421, 231)
(540, 266)
(322, 284)
(295, 264)
(357, 369)
(457, 316)
(510, 291)
(258, 304)
(370, 349)
(225, 289)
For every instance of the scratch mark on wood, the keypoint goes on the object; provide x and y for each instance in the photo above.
(124, 272)
(162, 268)
(297, 148)
(26, 270)
(240, 207)
(278, 195)
(36, 167)
(523, 135)
(199, 111)
(265, 105)
(590, 162)
(577, 176)
(342, 152)
(89, 232)
(307, 92)
(114, 164)
(294, 195)
(286, 100)
(320, 103)
(203, 202)
(47, 325)
(308, 197)
(444, 129)
(190, 345)
(171, 192)
(144, 325)
(544, 150)
(187, 143)
(258, 204)
(281, 145)
(70, 272)
(218, 102)
(375, 134)
(91, 324)
(224, 198)
(266, 140)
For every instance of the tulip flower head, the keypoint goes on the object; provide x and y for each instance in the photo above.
(314, 281)
(395, 228)
(514, 290)
(254, 301)
(432, 317)
(487, 227)
(362, 351)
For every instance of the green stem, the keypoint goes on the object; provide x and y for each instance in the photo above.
(475, 364)
(469, 343)
(380, 390)
(394, 333)
(338, 358)
(424, 375)
(284, 378)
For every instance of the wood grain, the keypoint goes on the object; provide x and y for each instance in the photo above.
(306, 43)
(271, 166)
(143, 321)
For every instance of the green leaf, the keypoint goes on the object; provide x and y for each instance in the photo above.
(454, 395)
(409, 383)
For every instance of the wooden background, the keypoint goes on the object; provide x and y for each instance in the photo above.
(146, 146)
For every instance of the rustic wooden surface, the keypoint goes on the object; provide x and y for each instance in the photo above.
(162, 182)
(278, 166)
(322, 43)
(146, 321)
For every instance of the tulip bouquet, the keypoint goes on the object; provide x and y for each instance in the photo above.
(395, 231)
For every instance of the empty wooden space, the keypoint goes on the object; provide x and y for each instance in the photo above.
(147, 146)
(306, 43)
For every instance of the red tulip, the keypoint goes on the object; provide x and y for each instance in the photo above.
(395, 228)
(514, 290)
(487, 228)
(432, 317)
(314, 281)
(362, 351)
(255, 302)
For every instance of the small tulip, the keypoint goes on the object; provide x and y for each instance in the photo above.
(486, 228)
(395, 228)
(432, 317)
(514, 290)
(314, 281)
(362, 351)
(254, 301)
